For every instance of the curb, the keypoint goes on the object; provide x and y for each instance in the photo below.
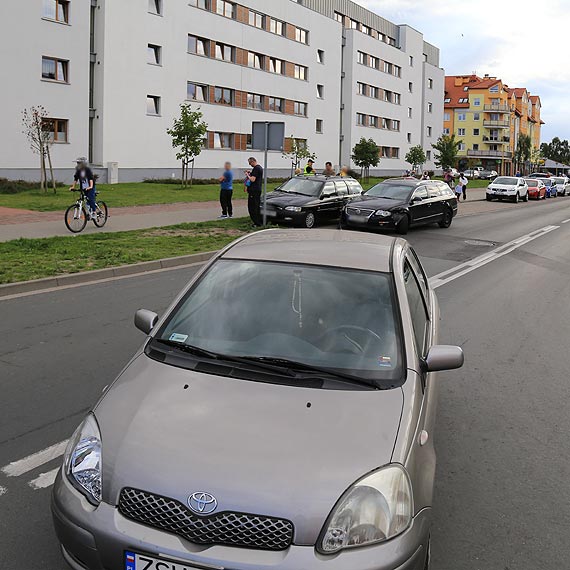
(98, 274)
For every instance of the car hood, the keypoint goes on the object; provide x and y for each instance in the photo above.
(503, 186)
(376, 203)
(283, 199)
(258, 448)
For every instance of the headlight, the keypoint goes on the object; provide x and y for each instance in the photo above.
(375, 509)
(83, 459)
(293, 208)
(383, 213)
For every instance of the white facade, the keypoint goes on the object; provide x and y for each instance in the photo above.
(115, 127)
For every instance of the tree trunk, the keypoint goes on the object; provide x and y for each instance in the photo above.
(43, 183)
(182, 173)
(192, 174)
(51, 170)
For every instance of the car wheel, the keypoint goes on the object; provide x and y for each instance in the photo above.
(403, 225)
(447, 219)
(489, 198)
(525, 199)
(516, 198)
(309, 221)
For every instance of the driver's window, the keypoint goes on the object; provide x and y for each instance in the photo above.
(329, 189)
(421, 192)
(341, 189)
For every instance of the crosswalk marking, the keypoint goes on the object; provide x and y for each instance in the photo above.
(3, 491)
(44, 480)
(22, 466)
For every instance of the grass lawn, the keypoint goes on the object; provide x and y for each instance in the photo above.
(24, 259)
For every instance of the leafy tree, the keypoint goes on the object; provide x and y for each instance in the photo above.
(447, 149)
(523, 150)
(558, 150)
(366, 154)
(38, 131)
(535, 158)
(298, 151)
(187, 134)
(416, 156)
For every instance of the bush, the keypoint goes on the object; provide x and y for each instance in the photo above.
(201, 181)
(17, 186)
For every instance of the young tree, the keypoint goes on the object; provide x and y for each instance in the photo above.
(447, 149)
(523, 150)
(298, 151)
(187, 134)
(366, 154)
(38, 131)
(416, 157)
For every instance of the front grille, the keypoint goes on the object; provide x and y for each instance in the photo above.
(233, 529)
(359, 212)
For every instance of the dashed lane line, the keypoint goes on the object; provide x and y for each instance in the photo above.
(22, 466)
(44, 480)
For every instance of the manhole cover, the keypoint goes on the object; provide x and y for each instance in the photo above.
(480, 243)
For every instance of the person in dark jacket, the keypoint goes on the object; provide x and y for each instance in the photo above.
(255, 177)
(84, 177)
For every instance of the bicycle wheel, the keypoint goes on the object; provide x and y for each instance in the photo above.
(101, 214)
(75, 218)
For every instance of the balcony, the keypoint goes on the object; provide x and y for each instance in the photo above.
(489, 154)
(497, 109)
(496, 124)
(496, 140)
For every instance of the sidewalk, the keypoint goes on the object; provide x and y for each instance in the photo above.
(15, 223)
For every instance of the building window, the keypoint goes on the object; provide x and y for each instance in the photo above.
(224, 52)
(353, 25)
(320, 91)
(373, 121)
(373, 62)
(55, 69)
(385, 152)
(198, 46)
(409, 138)
(428, 154)
(461, 132)
(447, 100)
(494, 89)
(223, 140)
(204, 4)
(396, 126)
(57, 10)
(429, 131)
(476, 116)
(410, 87)
(155, 7)
(227, 9)
(475, 147)
(276, 27)
(385, 123)
(57, 129)
(154, 54)
(461, 146)
(223, 96)
(300, 109)
(411, 61)
(461, 117)
(397, 98)
(276, 104)
(301, 35)
(255, 60)
(256, 19)
(476, 132)
(374, 92)
(276, 65)
(361, 57)
(319, 126)
(409, 112)
(320, 56)
(430, 83)
(361, 119)
(477, 102)
(446, 131)
(300, 72)
(446, 117)
(152, 105)
(395, 152)
(361, 88)
(365, 30)
(197, 92)
(339, 17)
(255, 101)
(430, 108)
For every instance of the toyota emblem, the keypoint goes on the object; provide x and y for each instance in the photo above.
(357, 212)
(202, 503)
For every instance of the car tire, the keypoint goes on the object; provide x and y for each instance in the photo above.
(489, 198)
(309, 220)
(517, 198)
(403, 225)
(525, 199)
(447, 219)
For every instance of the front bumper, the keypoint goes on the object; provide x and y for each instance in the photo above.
(283, 216)
(371, 222)
(501, 193)
(96, 539)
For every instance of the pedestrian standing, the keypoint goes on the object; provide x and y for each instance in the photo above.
(309, 169)
(84, 177)
(458, 191)
(463, 181)
(448, 178)
(329, 170)
(344, 172)
(255, 178)
(226, 191)
(425, 175)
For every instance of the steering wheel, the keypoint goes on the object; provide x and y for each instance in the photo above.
(370, 336)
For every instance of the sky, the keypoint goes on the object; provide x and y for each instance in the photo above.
(504, 38)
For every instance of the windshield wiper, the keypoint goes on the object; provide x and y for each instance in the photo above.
(195, 350)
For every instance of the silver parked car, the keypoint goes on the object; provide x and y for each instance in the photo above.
(279, 415)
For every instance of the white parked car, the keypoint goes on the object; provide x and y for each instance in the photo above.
(509, 187)
(562, 185)
(472, 173)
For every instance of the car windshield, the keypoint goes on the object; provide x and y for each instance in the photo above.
(304, 186)
(548, 182)
(393, 190)
(532, 183)
(342, 320)
(558, 180)
(507, 180)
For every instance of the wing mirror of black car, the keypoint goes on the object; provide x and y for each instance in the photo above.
(326, 195)
(444, 357)
(145, 320)
(416, 199)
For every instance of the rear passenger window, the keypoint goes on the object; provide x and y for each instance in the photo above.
(353, 187)
(417, 307)
(341, 188)
(434, 191)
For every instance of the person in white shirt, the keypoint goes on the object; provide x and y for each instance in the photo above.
(463, 181)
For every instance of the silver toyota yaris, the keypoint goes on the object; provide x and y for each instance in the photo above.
(279, 415)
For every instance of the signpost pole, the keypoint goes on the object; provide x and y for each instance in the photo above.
(265, 147)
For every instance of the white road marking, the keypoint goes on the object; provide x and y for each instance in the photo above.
(44, 480)
(566, 221)
(17, 468)
(464, 268)
(3, 491)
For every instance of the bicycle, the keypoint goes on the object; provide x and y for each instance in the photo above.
(77, 215)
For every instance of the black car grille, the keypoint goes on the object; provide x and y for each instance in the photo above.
(233, 529)
(359, 211)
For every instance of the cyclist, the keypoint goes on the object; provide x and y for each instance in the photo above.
(84, 176)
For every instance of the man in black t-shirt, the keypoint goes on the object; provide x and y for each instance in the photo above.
(84, 176)
(255, 178)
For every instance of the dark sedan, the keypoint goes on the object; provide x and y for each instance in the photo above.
(307, 200)
(399, 203)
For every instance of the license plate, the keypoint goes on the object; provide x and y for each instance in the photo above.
(358, 219)
(270, 213)
(136, 561)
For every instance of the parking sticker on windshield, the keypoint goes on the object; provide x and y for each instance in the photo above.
(175, 337)
(384, 361)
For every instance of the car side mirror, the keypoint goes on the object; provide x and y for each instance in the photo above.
(443, 357)
(416, 199)
(145, 320)
(326, 195)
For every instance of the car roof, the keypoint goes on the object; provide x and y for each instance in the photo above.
(409, 181)
(347, 249)
(324, 178)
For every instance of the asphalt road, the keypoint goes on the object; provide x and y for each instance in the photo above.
(503, 425)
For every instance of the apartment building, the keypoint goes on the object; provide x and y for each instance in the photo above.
(113, 75)
(487, 117)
